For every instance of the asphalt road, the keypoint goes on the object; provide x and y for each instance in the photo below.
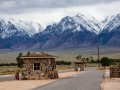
(6, 78)
(89, 80)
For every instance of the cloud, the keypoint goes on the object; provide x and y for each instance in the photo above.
(24, 6)
(48, 11)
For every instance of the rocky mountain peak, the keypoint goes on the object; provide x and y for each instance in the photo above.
(10, 27)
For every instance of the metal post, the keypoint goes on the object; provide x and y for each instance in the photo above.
(98, 58)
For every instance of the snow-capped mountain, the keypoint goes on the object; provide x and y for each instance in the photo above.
(89, 22)
(75, 23)
(106, 20)
(10, 27)
(114, 22)
(110, 34)
(70, 31)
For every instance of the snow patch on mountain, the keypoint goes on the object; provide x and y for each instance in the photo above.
(113, 22)
(76, 23)
(89, 22)
(106, 20)
(10, 27)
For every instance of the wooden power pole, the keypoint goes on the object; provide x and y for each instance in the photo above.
(98, 58)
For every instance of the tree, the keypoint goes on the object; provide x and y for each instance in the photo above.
(93, 61)
(19, 60)
(28, 53)
(83, 59)
(105, 61)
(91, 58)
(87, 60)
(79, 57)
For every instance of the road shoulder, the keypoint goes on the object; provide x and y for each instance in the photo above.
(110, 83)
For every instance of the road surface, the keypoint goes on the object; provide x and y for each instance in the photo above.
(89, 80)
(6, 78)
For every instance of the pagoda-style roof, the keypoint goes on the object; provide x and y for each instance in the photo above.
(39, 55)
(78, 61)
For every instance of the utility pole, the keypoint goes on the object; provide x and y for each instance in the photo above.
(98, 58)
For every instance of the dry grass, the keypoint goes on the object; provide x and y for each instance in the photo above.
(102, 68)
(92, 64)
(5, 70)
(65, 67)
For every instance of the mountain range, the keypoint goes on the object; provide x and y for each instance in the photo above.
(70, 31)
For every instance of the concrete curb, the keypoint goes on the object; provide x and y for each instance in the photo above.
(106, 74)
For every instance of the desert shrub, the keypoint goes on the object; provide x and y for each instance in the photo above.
(8, 64)
(63, 62)
(105, 61)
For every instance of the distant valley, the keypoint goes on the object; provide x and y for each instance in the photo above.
(68, 54)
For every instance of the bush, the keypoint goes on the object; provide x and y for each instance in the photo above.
(8, 64)
(93, 61)
(63, 63)
(105, 61)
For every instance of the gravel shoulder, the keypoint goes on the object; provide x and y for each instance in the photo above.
(110, 83)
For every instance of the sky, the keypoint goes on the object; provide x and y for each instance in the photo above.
(50, 11)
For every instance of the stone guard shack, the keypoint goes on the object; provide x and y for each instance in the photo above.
(79, 64)
(39, 65)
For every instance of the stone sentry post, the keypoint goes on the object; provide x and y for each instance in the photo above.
(16, 75)
(76, 67)
(79, 64)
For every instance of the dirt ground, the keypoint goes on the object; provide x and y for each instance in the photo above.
(30, 84)
(110, 83)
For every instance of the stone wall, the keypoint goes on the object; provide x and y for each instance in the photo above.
(115, 71)
(47, 69)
